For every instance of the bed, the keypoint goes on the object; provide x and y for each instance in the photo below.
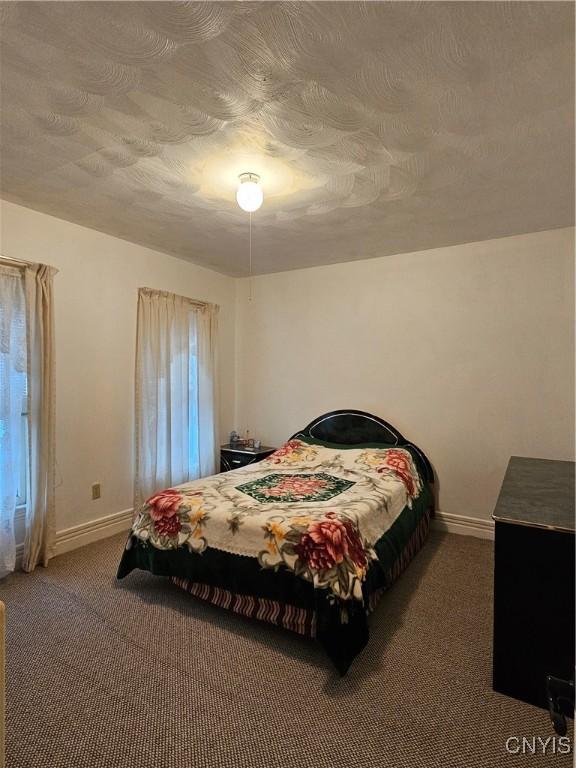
(308, 539)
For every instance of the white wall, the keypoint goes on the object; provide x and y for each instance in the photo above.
(467, 350)
(96, 297)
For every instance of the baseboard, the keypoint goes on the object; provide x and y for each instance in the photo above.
(94, 530)
(86, 533)
(464, 526)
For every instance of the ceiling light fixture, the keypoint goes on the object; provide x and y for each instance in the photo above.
(249, 195)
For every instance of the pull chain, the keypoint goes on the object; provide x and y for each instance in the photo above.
(250, 263)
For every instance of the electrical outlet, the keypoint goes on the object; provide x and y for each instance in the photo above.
(95, 491)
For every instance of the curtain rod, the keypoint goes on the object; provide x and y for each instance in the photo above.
(169, 294)
(19, 262)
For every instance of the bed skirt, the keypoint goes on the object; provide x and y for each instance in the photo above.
(292, 617)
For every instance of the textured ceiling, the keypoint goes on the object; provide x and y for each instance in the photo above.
(377, 128)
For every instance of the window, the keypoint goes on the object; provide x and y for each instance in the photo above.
(13, 376)
(22, 488)
(193, 430)
(26, 297)
(175, 392)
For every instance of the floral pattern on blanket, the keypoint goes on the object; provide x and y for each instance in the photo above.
(293, 452)
(394, 461)
(289, 488)
(329, 552)
(320, 521)
(171, 518)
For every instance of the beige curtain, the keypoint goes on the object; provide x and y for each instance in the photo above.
(39, 536)
(176, 422)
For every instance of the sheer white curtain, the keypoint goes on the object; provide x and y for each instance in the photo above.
(176, 422)
(13, 367)
(26, 411)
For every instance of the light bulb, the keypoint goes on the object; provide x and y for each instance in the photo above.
(249, 195)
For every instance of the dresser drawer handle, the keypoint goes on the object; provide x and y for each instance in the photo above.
(236, 461)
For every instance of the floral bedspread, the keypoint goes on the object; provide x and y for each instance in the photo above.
(317, 511)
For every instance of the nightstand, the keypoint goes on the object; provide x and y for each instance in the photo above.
(232, 457)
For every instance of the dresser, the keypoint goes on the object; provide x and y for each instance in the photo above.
(534, 578)
(232, 457)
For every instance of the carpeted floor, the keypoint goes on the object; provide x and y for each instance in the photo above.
(138, 673)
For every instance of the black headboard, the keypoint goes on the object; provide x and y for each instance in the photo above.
(351, 427)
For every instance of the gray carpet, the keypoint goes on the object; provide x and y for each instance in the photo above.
(138, 673)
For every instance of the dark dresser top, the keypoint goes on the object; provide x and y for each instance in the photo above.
(245, 449)
(537, 492)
